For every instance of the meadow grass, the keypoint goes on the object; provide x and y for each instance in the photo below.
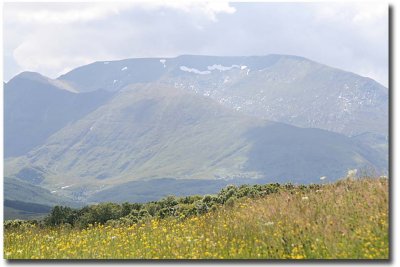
(344, 220)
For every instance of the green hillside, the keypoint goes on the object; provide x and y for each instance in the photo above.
(154, 131)
(24, 200)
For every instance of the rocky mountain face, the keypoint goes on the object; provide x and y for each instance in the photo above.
(109, 124)
(287, 89)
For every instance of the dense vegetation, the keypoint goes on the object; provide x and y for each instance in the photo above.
(171, 206)
(347, 219)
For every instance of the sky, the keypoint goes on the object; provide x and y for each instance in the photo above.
(54, 38)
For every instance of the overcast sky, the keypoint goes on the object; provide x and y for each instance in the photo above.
(55, 38)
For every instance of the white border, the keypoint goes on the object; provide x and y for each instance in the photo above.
(395, 162)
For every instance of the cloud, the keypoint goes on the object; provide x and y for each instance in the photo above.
(356, 37)
(55, 38)
(64, 13)
(60, 13)
(358, 12)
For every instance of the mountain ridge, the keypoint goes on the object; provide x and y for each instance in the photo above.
(263, 86)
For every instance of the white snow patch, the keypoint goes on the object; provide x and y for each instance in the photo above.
(124, 68)
(115, 81)
(243, 67)
(248, 70)
(53, 191)
(163, 62)
(222, 68)
(63, 187)
(226, 80)
(193, 70)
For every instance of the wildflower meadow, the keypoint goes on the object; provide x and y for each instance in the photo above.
(347, 219)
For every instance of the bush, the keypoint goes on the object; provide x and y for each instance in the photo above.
(231, 202)
(61, 215)
(8, 224)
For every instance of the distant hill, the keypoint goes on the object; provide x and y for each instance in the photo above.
(26, 201)
(36, 107)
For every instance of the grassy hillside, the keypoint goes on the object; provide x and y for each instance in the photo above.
(344, 220)
(23, 200)
(156, 131)
(14, 209)
(15, 189)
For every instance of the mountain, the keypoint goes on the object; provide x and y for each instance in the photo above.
(35, 107)
(153, 131)
(112, 127)
(282, 88)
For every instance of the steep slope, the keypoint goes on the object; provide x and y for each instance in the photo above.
(154, 131)
(146, 131)
(282, 88)
(36, 107)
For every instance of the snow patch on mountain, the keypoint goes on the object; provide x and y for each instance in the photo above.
(163, 62)
(221, 67)
(124, 68)
(193, 70)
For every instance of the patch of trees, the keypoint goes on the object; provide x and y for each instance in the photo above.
(170, 206)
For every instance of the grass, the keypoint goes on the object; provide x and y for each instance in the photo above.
(344, 220)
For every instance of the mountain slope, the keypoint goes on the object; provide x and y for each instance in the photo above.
(154, 131)
(150, 129)
(15, 189)
(282, 88)
(36, 107)
(23, 200)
